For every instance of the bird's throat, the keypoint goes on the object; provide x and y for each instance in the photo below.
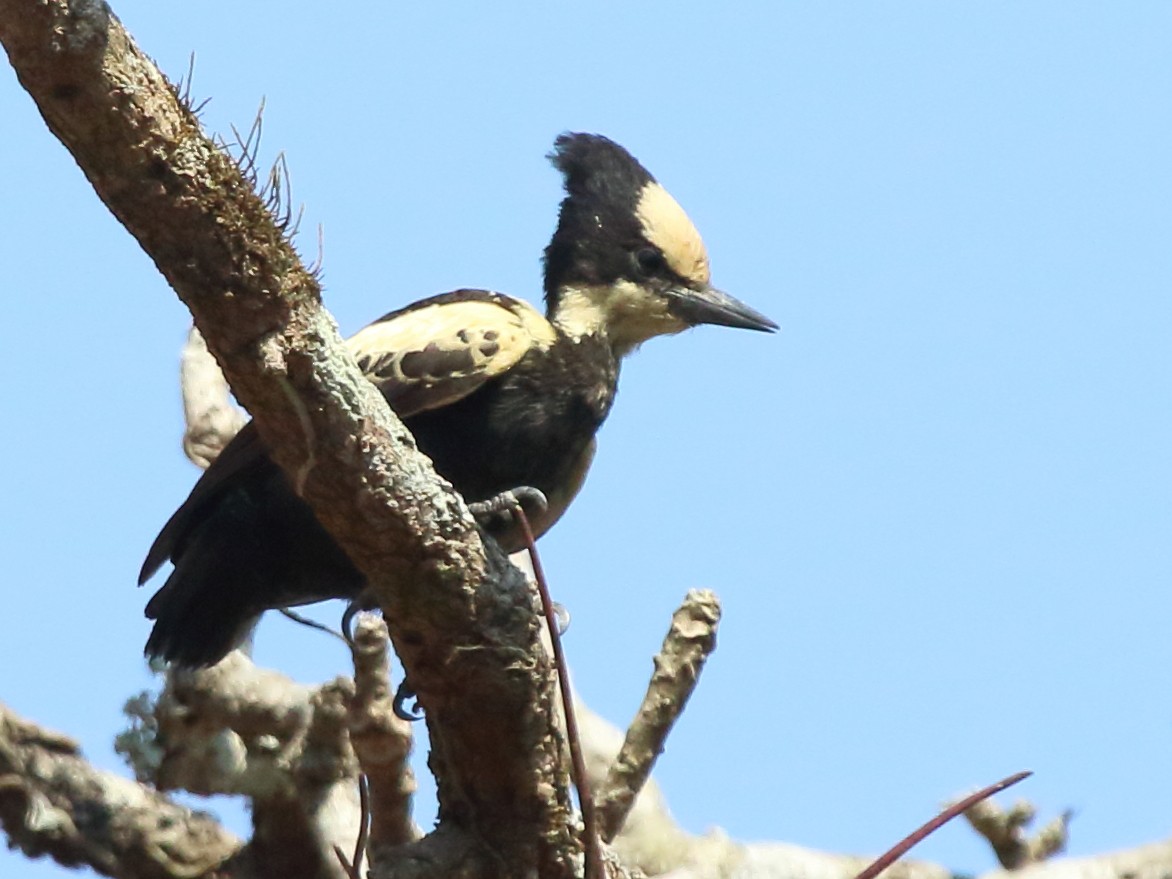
(623, 314)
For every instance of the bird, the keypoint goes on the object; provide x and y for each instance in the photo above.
(498, 395)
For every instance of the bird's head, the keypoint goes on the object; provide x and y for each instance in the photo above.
(625, 262)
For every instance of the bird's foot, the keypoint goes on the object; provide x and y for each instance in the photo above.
(500, 507)
(361, 604)
(403, 695)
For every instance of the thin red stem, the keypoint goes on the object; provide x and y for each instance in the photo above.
(901, 848)
(593, 849)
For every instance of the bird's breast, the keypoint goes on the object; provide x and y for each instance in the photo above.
(529, 426)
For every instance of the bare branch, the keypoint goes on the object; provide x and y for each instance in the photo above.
(53, 802)
(231, 729)
(1005, 831)
(689, 641)
(651, 840)
(462, 622)
(239, 729)
(1144, 862)
(209, 417)
(381, 740)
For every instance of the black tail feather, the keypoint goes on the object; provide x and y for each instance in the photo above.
(209, 603)
(252, 547)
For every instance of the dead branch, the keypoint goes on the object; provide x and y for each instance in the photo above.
(1144, 862)
(1005, 831)
(462, 624)
(53, 802)
(381, 740)
(209, 417)
(239, 729)
(689, 641)
(232, 729)
(651, 841)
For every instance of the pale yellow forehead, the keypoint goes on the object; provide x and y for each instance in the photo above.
(667, 227)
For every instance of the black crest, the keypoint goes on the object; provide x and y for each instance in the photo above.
(596, 167)
(597, 225)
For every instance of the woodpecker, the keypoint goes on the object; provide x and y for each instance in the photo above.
(499, 397)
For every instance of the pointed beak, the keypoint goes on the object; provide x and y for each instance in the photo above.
(712, 306)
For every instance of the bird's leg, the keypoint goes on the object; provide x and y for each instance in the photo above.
(530, 500)
(497, 514)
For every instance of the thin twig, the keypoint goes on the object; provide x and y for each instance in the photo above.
(352, 867)
(591, 844)
(184, 88)
(687, 645)
(903, 846)
(315, 267)
(250, 147)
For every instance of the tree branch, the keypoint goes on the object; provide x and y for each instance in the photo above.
(461, 620)
(381, 740)
(652, 841)
(210, 420)
(1152, 861)
(690, 639)
(53, 802)
(241, 730)
(1005, 831)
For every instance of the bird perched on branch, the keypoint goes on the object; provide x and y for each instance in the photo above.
(497, 395)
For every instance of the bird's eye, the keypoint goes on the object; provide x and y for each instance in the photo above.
(649, 261)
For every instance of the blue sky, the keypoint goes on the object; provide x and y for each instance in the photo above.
(937, 505)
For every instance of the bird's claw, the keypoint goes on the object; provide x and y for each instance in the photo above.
(526, 497)
(352, 610)
(402, 695)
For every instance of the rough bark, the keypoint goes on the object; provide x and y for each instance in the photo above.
(461, 619)
(53, 802)
(689, 642)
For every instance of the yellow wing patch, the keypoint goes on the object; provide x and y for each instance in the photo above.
(434, 355)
